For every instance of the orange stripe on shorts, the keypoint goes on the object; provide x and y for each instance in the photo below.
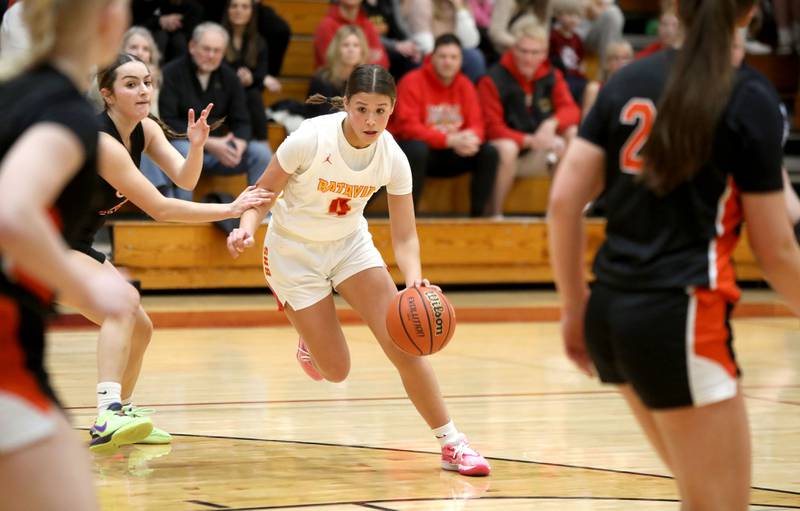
(14, 376)
(711, 332)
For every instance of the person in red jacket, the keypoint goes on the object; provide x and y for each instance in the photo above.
(438, 123)
(530, 114)
(347, 12)
(670, 33)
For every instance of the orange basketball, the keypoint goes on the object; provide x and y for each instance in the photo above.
(421, 320)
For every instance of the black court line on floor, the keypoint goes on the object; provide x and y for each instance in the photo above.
(207, 504)
(366, 399)
(498, 497)
(404, 398)
(510, 460)
(373, 506)
(771, 400)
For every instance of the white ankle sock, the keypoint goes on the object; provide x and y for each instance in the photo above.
(108, 392)
(446, 434)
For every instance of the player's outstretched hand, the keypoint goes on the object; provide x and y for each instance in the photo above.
(251, 197)
(238, 241)
(197, 131)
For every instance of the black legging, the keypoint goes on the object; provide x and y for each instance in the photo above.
(255, 105)
(277, 34)
(446, 163)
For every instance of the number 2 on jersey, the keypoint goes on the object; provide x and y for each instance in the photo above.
(641, 113)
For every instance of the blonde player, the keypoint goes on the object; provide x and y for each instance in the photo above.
(48, 146)
(318, 241)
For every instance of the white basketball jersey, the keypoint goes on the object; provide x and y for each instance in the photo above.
(326, 202)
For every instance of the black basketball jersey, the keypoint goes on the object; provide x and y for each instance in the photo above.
(44, 95)
(686, 237)
(110, 199)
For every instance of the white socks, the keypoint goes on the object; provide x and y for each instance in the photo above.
(446, 434)
(108, 392)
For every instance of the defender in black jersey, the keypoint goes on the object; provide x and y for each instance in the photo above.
(126, 133)
(684, 148)
(48, 147)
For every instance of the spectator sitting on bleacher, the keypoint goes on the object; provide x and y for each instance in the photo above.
(670, 32)
(603, 23)
(170, 21)
(482, 12)
(347, 49)
(507, 14)
(530, 114)
(438, 124)
(247, 55)
(200, 78)
(347, 12)
(618, 54)
(404, 55)
(274, 29)
(428, 19)
(566, 47)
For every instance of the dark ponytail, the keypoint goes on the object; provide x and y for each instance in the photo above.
(369, 78)
(171, 134)
(336, 102)
(697, 92)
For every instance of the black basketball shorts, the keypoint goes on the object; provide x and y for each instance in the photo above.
(674, 347)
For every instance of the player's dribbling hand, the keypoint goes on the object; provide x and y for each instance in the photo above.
(251, 197)
(424, 283)
(238, 241)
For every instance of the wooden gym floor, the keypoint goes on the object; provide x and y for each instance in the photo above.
(253, 432)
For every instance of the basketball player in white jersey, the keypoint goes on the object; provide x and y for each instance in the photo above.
(318, 241)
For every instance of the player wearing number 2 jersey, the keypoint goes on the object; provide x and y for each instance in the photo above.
(684, 148)
(318, 241)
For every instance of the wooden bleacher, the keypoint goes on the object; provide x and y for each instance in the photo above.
(172, 256)
(782, 70)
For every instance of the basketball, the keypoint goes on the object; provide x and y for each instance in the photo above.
(421, 320)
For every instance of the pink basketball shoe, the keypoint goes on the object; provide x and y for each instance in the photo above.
(459, 456)
(304, 358)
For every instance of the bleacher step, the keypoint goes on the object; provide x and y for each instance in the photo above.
(463, 251)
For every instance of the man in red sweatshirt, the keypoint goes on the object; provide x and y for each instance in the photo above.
(530, 114)
(347, 12)
(437, 122)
